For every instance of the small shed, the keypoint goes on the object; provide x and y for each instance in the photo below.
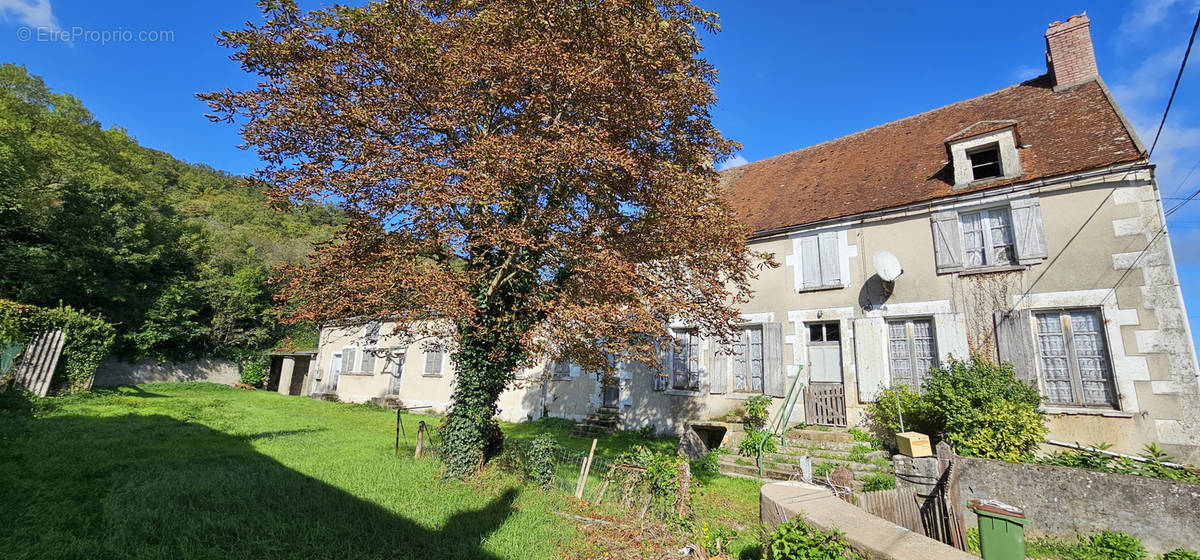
(291, 372)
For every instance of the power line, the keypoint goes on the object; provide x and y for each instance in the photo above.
(1176, 87)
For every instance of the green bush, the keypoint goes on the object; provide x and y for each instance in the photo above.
(707, 464)
(255, 373)
(757, 412)
(1116, 546)
(879, 481)
(1181, 554)
(87, 340)
(797, 541)
(660, 480)
(979, 408)
(749, 445)
(540, 459)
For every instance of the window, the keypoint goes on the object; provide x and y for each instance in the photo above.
(368, 361)
(348, 360)
(433, 359)
(988, 237)
(393, 359)
(985, 163)
(561, 369)
(911, 351)
(685, 363)
(819, 261)
(1075, 366)
(748, 361)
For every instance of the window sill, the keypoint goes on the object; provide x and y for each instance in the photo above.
(985, 181)
(990, 269)
(355, 374)
(741, 395)
(566, 378)
(1081, 411)
(683, 392)
(431, 375)
(820, 289)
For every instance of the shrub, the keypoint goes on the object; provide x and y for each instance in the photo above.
(660, 480)
(978, 407)
(707, 464)
(1181, 554)
(1116, 546)
(540, 459)
(749, 445)
(757, 412)
(879, 481)
(255, 374)
(797, 541)
(1094, 459)
(87, 340)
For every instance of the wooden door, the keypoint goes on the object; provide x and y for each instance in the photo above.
(826, 394)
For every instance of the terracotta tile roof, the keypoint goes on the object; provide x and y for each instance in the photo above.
(906, 161)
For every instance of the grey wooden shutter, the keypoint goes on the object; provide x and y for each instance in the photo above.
(368, 361)
(951, 332)
(947, 242)
(433, 360)
(718, 371)
(810, 262)
(664, 362)
(1015, 343)
(870, 357)
(348, 359)
(773, 377)
(831, 271)
(1029, 235)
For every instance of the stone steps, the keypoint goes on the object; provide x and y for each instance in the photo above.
(776, 460)
(602, 422)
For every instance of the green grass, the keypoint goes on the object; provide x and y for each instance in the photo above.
(194, 470)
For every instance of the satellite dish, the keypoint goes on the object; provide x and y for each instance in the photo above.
(887, 266)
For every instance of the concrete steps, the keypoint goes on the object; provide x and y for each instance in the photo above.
(834, 447)
(603, 421)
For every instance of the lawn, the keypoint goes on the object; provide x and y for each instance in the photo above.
(194, 470)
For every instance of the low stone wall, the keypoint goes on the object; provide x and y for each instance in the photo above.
(1063, 502)
(874, 536)
(114, 372)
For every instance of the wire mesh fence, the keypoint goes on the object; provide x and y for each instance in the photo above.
(567, 467)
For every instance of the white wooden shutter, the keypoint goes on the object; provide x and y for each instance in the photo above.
(831, 270)
(348, 359)
(773, 376)
(718, 371)
(368, 361)
(947, 242)
(1015, 343)
(870, 357)
(1029, 235)
(951, 332)
(433, 360)
(810, 262)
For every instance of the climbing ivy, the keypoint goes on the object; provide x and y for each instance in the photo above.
(87, 340)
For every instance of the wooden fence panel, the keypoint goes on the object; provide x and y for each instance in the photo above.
(897, 505)
(35, 367)
(826, 404)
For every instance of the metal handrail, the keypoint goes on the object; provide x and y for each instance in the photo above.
(781, 419)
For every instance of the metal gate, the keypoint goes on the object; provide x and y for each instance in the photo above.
(825, 404)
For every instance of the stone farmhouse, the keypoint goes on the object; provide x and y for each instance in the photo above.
(1019, 220)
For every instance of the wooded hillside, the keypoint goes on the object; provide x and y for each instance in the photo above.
(176, 255)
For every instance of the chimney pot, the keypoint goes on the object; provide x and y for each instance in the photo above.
(1070, 58)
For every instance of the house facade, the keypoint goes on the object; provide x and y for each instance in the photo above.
(1024, 225)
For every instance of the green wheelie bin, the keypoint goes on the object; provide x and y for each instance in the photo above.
(1001, 530)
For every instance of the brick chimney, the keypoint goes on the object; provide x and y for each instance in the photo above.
(1069, 56)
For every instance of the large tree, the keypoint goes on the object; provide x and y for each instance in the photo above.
(531, 179)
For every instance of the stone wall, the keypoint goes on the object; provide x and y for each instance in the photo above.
(1064, 502)
(114, 372)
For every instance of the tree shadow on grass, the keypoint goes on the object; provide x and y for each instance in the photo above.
(156, 487)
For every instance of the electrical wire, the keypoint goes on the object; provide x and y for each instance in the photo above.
(1178, 77)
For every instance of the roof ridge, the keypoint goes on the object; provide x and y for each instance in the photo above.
(886, 124)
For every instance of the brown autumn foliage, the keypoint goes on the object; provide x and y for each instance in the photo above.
(531, 178)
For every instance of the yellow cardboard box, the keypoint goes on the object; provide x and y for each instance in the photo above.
(913, 444)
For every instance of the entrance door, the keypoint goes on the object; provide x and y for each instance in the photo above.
(610, 396)
(335, 369)
(394, 369)
(825, 394)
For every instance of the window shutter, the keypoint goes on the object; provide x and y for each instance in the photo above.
(773, 377)
(831, 270)
(947, 242)
(433, 361)
(348, 359)
(1028, 232)
(951, 332)
(368, 361)
(664, 363)
(870, 357)
(718, 371)
(1015, 343)
(810, 261)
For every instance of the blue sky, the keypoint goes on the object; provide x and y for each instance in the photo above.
(792, 73)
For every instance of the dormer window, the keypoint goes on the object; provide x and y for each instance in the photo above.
(985, 162)
(984, 151)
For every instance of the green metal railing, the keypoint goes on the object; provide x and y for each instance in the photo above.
(781, 418)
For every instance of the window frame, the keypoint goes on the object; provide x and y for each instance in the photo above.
(362, 361)
(555, 372)
(429, 350)
(744, 341)
(824, 243)
(992, 147)
(351, 368)
(986, 228)
(692, 344)
(916, 379)
(1074, 374)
